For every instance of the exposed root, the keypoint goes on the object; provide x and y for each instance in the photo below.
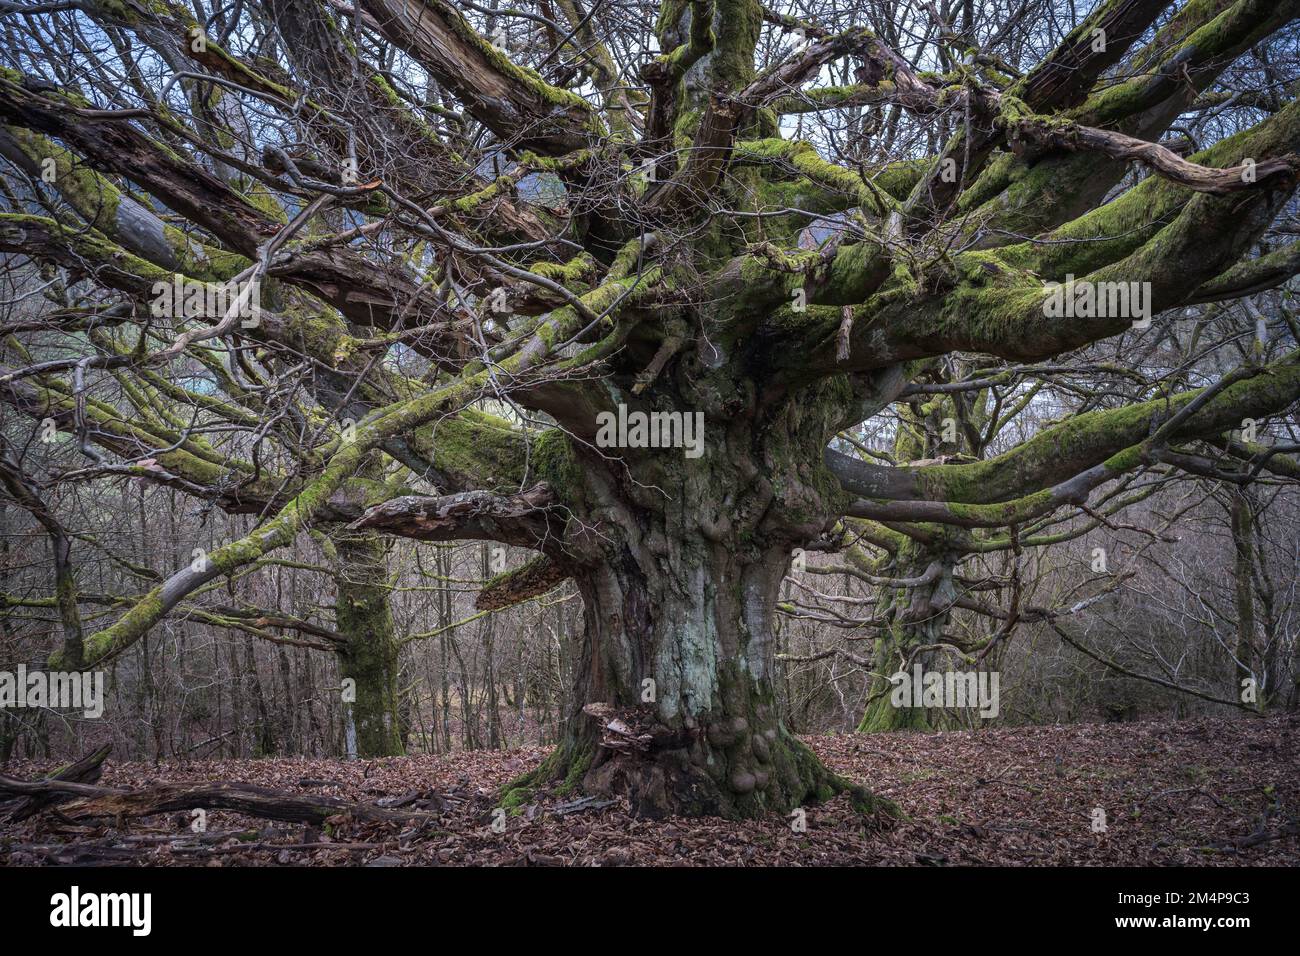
(566, 764)
(675, 781)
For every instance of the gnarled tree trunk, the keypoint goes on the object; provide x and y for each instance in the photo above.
(679, 562)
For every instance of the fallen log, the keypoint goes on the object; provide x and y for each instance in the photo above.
(81, 800)
(87, 770)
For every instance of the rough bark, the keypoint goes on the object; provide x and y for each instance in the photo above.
(87, 770)
(679, 562)
(370, 655)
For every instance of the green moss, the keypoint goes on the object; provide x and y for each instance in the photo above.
(554, 461)
(736, 26)
(1110, 435)
(137, 275)
(578, 767)
(568, 763)
(528, 78)
(262, 199)
(1224, 31)
(580, 268)
(476, 449)
(687, 121)
(502, 185)
(370, 657)
(804, 159)
(515, 799)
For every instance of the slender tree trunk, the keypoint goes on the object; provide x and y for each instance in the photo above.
(263, 733)
(292, 738)
(238, 748)
(489, 672)
(444, 660)
(918, 617)
(1244, 593)
(8, 725)
(370, 657)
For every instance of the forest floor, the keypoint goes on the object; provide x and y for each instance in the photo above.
(1198, 792)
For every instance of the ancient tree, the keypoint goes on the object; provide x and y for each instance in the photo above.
(478, 235)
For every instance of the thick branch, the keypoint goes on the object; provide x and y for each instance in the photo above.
(522, 519)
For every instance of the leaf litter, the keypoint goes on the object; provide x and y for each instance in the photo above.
(1209, 791)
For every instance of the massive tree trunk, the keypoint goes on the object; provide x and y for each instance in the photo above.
(679, 646)
(675, 697)
(679, 562)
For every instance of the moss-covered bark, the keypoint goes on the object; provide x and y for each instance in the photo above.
(915, 617)
(370, 657)
(706, 738)
(679, 561)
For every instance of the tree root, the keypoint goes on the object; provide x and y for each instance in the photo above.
(803, 779)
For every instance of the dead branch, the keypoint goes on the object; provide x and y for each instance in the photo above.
(83, 800)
